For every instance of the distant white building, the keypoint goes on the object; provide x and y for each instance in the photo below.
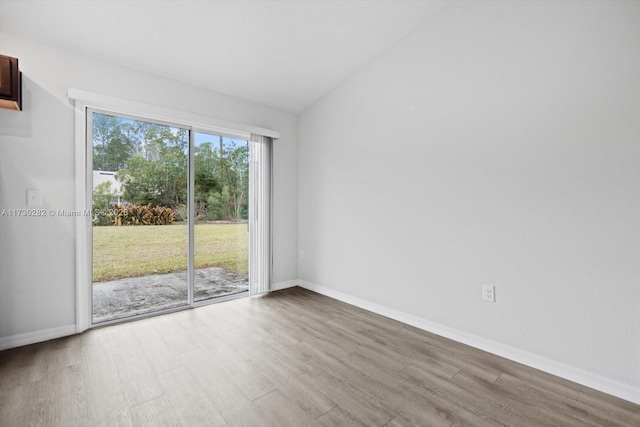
(100, 177)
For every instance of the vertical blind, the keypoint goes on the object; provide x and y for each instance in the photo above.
(260, 214)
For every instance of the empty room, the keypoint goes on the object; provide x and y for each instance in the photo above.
(320, 213)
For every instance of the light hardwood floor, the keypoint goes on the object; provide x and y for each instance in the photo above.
(292, 358)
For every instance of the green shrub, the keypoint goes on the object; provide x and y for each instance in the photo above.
(180, 212)
(135, 214)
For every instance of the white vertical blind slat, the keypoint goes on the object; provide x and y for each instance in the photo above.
(260, 214)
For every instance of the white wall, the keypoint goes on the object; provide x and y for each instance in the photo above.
(498, 144)
(37, 283)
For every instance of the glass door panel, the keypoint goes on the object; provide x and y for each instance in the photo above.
(221, 208)
(139, 208)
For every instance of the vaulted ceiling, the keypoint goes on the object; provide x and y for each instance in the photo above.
(286, 54)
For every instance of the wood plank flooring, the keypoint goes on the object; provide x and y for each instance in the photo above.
(291, 358)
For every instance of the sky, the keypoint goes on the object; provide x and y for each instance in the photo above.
(201, 138)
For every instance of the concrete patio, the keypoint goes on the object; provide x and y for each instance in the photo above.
(140, 295)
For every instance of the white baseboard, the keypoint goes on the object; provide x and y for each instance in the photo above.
(284, 285)
(571, 373)
(36, 336)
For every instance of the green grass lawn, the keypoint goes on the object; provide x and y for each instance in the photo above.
(133, 251)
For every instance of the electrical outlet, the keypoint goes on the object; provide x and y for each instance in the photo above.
(301, 254)
(489, 293)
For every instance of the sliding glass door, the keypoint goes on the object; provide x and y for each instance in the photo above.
(169, 211)
(221, 212)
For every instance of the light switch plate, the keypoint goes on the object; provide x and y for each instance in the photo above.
(34, 198)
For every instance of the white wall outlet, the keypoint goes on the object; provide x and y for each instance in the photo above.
(489, 293)
(34, 198)
(301, 253)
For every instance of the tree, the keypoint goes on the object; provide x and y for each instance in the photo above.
(150, 161)
(238, 179)
(206, 166)
(103, 196)
(221, 180)
(157, 173)
(162, 182)
(114, 141)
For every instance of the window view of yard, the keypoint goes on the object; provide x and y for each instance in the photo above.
(140, 216)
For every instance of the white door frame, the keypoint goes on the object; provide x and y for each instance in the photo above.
(87, 100)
